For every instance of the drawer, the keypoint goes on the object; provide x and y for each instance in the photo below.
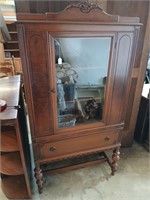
(76, 145)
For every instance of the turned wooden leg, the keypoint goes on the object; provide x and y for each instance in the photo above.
(115, 158)
(38, 175)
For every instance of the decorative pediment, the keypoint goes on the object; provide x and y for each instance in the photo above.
(85, 6)
(83, 11)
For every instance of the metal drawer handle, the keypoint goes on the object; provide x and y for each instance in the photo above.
(107, 139)
(52, 149)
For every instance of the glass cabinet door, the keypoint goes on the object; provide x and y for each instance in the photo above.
(81, 66)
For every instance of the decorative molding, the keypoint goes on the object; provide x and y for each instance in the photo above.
(85, 6)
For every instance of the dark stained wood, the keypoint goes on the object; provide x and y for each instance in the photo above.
(39, 177)
(139, 9)
(115, 158)
(24, 142)
(80, 144)
(36, 39)
(76, 166)
(95, 14)
(127, 8)
(9, 141)
(14, 187)
(11, 164)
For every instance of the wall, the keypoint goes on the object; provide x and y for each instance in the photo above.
(37, 6)
(88, 56)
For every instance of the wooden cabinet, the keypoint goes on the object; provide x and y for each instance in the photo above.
(15, 167)
(16, 63)
(77, 67)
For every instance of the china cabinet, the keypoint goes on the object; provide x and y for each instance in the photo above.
(77, 67)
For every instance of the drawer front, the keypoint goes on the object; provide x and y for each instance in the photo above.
(71, 146)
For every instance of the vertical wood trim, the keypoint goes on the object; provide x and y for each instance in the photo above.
(127, 138)
(123, 61)
(25, 62)
(23, 158)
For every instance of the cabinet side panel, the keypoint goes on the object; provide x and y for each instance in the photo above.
(121, 83)
(40, 83)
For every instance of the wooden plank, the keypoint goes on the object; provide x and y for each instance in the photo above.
(8, 141)
(11, 164)
(14, 187)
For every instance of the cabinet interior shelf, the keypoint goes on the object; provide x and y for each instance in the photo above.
(14, 187)
(12, 42)
(11, 49)
(13, 32)
(8, 141)
(11, 164)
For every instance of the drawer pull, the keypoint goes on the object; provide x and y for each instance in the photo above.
(107, 139)
(52, 149)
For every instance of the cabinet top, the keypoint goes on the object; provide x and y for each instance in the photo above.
(82, 12)
(9, 91)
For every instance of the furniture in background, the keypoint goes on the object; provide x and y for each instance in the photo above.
(141, 134)
(7, 68)
(11, 48)
(94, 44)
(15, 167)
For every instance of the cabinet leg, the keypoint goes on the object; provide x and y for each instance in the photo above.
(39, 175)
(115, 158)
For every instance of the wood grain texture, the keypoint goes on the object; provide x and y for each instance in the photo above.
(11, 164)
(8, 141)
(90, 142)
(39, 74)
(36, 37)
(141, 10)
(14, 187)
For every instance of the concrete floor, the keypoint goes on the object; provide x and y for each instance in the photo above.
(131, 181)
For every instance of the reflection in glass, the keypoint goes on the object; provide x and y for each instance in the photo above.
(81, 71)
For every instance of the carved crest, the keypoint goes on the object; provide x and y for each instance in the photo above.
(85, 6)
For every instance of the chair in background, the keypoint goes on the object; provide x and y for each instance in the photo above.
(7, 69)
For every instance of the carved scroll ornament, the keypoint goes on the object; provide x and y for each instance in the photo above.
(85, 6)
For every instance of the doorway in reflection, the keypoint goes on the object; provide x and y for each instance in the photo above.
(81, 74)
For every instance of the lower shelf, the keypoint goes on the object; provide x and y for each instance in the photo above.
(74, 163)
(11, 163)
(9, 141)
(14, 187)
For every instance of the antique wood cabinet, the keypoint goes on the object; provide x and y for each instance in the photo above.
(77, 67)
(15, 166)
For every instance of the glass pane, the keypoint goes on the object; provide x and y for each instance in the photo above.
(81, 73)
